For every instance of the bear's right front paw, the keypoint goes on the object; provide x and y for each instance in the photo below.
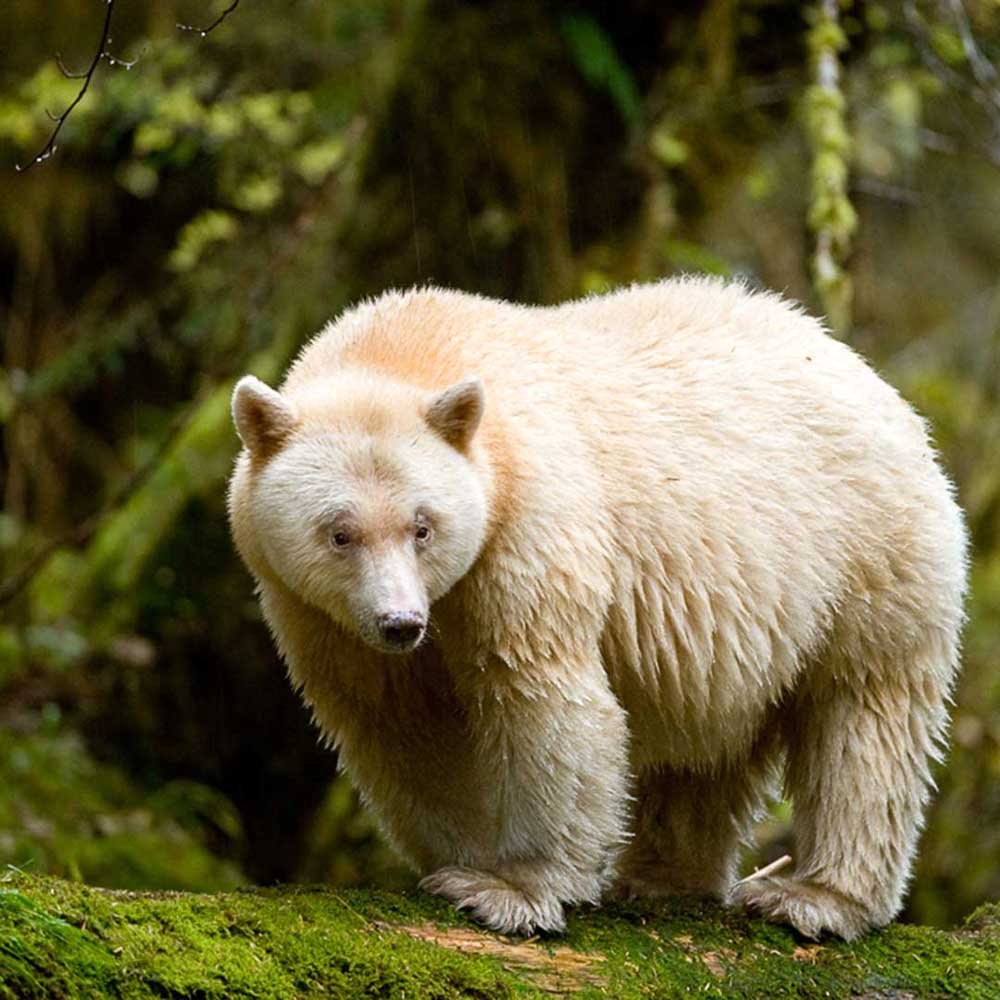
(495, 902)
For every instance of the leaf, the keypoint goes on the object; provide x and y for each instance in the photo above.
(211, 226)
(597, 59)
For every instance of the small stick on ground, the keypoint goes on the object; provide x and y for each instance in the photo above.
(785, 859)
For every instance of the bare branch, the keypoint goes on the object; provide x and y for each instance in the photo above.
(982, 69)
(889, 192)
(115, 61)
(211, 27)
(931, 59)
(68, 73)
(938, 142)
(87, 75)
(982, 88)
(50, 146)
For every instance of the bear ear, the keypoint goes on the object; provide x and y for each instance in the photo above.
(456, 412)
(262, 416)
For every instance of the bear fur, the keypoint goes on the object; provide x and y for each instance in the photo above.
(566, 587)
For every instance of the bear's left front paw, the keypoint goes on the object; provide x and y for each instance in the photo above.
(809, 907)
(495, 902)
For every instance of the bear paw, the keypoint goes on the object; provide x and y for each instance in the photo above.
(808, 906)
(495, 902)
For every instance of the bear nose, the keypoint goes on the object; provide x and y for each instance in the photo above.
(401, 628)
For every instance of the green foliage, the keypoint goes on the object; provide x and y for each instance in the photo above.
(63, 812)
(831, 216)
(688, 256)
(344, 847)
(947, 44)
(19, 114)
(667, 148)
(186, 291)
(947, 386)
(211, 226)
(315, 160)
(175, 110)
(595, 55)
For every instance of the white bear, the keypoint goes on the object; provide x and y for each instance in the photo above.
(565, 586)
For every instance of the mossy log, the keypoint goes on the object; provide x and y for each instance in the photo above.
(60, 939)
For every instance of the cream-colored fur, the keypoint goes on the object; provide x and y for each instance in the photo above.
(675, 535)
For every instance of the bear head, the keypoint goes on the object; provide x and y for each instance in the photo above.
(362, 496)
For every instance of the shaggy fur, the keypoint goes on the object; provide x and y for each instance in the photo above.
(669, 538)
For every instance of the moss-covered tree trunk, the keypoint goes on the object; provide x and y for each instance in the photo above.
(62, 940)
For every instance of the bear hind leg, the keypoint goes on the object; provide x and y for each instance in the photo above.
(690, 828)
(858, 773)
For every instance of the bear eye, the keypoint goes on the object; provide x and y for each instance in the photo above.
(422, 533)
(341, 539)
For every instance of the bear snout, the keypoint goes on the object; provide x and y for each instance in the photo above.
(401, 630)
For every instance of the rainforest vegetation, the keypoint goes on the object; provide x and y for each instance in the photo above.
(217, 195)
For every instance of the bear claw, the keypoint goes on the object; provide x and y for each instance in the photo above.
(495, 902)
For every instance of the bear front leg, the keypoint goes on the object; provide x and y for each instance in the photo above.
(552, 762)
(858, 776)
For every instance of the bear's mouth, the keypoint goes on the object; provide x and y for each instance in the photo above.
(402, 646)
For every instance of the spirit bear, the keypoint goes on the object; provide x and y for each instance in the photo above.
(566, 586)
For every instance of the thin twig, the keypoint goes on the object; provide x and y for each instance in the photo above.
(882, 189)
(982, 88)
(211, 27)
(785, 859)
(938, 142)
(102, 51)
(982, 69)
(931, 59)
(87, 75)
(68, 73)
(115, 61)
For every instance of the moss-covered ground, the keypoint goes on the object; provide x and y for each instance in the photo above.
(61, 939)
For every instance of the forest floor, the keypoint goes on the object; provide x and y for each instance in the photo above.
(61, 939)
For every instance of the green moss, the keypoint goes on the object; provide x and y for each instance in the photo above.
(831, 216)
(35, 946)
(59, 939)
(676, 949)
(73, 941)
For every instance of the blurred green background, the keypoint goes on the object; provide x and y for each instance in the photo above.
(210, 207)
